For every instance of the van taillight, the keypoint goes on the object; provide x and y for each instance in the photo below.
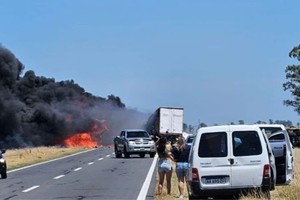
(284, 150)
(195, 175)
(266, 173)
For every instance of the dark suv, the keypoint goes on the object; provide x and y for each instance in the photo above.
(3, 171)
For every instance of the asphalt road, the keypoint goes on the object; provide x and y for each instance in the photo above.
(95, 174)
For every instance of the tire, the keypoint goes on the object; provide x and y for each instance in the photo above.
(126, 154)
(117, 153)
(152, 155)
(142, 155)
(4, 175)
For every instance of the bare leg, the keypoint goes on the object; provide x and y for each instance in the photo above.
(181, 185)
(161, 182)
(168, 177)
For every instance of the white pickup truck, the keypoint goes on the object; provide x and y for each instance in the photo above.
(283, 151)
(134, 141)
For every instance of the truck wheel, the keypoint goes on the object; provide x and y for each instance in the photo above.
(142, 155)
(126, 154)
(117, 153)
(4, 175)
(152, 155)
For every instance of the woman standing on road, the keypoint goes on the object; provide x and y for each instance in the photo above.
(164, 164)
(181, 155)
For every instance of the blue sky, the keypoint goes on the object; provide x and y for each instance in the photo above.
(222, 61)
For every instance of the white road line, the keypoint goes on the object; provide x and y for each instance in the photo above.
(58, 177)
(90, 163)
(107, 156)
(77, 169)
(32, 188)
(100, 159)
(145, 187)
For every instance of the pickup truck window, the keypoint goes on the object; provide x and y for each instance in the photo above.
(270, 130)
(137, 134)
(122, 134)
(277, 137)
(246, 143)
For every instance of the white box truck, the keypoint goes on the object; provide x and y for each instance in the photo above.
(166, 121)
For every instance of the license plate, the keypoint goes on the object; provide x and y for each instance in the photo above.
(215, 181)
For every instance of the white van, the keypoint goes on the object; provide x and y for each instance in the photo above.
(227, 160)
(283, 151)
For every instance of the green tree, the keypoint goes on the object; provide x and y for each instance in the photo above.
(241, 121)
(293, 81)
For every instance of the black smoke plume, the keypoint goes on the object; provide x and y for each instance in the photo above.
(38, 111)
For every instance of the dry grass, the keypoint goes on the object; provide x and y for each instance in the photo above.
(289, 192)
(17, 158)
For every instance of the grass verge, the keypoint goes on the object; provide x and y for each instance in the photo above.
(16, 158)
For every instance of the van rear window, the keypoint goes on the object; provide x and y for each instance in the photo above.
(246, 143)
(213, 145)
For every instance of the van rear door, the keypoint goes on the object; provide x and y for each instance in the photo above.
(248, 158)
(214, 164)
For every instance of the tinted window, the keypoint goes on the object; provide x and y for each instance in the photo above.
(137, 134)
(277, 137)
(270, 130)
(213, 145)
(246, 143)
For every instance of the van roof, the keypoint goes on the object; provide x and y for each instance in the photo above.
(228, 128)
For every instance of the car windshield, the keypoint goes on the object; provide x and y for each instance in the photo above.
(137, 134)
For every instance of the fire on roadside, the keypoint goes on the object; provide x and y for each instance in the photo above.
(90, 138)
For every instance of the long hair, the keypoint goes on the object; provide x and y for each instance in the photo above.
(161, 145)
(180, 143)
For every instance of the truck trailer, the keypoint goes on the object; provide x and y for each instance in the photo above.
(166, 121)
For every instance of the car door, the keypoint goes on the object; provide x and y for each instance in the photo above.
(248, 159)
(289, 151)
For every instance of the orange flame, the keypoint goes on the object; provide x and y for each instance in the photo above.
(81, 139)
(86, 139)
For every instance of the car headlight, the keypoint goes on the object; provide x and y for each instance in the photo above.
(151, 142)
(131, 142)
(2, 160)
